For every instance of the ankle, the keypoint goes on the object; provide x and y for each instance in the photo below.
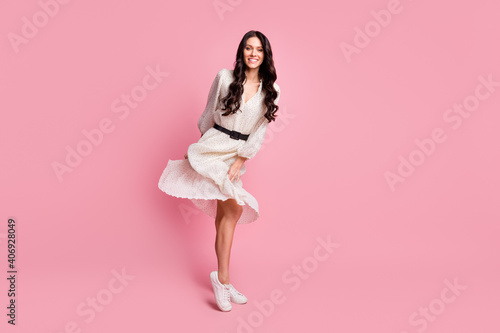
(224, 279)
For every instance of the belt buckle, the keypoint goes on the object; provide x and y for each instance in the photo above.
(234, 135)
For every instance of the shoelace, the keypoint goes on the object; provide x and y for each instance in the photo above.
(226, 294)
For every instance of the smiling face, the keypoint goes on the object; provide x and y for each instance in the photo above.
(253, 53)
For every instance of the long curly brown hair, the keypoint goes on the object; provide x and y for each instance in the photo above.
(267, 72)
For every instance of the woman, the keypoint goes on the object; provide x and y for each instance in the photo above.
(241, 104)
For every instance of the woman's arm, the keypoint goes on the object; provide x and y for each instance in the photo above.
(206, 120)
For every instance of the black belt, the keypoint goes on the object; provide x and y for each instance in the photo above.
(232, 134)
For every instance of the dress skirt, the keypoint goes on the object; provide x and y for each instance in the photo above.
(203, 176)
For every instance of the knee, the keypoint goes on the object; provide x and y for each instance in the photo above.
(238, 212)
(233, 216)
(230, 210)
(233, 213)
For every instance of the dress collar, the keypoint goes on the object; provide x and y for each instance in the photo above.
(257, 93)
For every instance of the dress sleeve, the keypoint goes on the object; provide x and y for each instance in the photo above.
(255, 139)
(206, 120)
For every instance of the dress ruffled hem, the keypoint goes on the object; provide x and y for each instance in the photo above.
(180, 180)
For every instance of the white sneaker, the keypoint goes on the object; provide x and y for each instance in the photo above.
(236, 296)
(222, 292)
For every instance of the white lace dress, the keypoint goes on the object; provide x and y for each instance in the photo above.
(203, 176)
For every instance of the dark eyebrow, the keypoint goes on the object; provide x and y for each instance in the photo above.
(251, 45)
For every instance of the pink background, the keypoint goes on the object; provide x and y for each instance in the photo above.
(345, 121)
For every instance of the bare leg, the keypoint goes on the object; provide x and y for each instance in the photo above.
(228, 214)
(218, 217)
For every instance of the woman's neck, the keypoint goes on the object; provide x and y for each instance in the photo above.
(252, 75)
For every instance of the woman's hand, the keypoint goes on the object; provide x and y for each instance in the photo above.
(234, 170)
